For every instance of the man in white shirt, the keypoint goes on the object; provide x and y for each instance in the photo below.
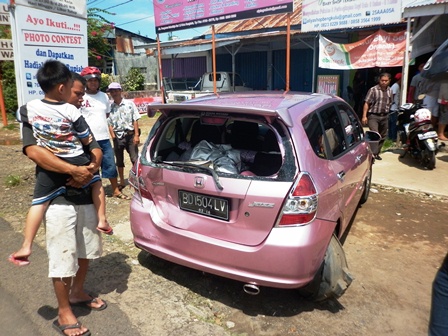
(95, 110)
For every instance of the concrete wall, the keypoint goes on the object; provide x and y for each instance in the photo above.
(124, 62)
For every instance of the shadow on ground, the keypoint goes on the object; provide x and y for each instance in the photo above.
(270, 301)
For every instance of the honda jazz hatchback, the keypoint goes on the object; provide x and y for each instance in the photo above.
(257, 187)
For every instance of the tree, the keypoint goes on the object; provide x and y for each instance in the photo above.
(134, 81)
(8, 76)
(98, 29)
(105, 81)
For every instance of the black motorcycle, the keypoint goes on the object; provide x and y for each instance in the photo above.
(417, 135)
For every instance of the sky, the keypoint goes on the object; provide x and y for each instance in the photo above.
(137, 16)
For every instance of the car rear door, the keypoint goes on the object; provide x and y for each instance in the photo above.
(342, 157)
(236, 208)
(358, 149)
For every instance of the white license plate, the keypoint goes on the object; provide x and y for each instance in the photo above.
(210, 206)
(427, 135)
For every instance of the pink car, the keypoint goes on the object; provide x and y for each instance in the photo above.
(257, 187)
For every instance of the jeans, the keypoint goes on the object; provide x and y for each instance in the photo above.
(392, 132)
(108, 167)
(438, 322)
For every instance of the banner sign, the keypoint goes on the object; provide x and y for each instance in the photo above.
(328, 84)
(321, 15)
(173, 15)
(76, 8)
(143, 102)
(40, 35)
(6, 50)
(381, 49)
(4, 14)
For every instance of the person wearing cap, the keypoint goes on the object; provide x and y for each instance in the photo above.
(95, 110)
(395, 88)
(376, 109)
(123, 125)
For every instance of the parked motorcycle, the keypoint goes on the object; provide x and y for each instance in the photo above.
(417, 135)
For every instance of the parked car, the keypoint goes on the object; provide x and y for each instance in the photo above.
(257, 187)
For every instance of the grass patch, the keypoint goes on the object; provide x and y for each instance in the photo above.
(388, 144)
(12, 180)
(11, 127)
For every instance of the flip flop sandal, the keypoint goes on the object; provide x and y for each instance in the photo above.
(109, 231)
(19, 261)
(122, 196)
(61, 327)
(88, 304)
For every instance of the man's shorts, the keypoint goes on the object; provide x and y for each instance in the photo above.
(71, 234)
(108, 167)
(431, 104)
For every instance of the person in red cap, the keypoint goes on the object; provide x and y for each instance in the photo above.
(396, 96)
(95, 110)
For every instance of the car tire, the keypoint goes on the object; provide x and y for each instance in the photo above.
(333, 276)
(367, 184)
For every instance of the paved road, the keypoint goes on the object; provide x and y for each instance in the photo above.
(407, 173)
(27, 305)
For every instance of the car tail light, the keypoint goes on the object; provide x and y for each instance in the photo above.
(301, 205)
(138, 183)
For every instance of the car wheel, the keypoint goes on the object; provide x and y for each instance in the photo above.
(367, 184)
(332, 278)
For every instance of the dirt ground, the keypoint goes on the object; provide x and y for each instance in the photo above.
(394, 247)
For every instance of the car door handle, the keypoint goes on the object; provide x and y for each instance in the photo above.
(341, 175)
(359, 158)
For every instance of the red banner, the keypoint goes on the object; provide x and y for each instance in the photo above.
(381, 49)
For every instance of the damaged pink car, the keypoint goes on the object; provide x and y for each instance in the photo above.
(257, 187)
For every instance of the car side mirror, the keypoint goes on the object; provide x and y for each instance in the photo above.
(373, 138)
(150, 111)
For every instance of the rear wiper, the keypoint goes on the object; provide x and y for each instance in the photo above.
(196, 165)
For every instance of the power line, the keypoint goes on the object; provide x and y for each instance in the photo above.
(117, 5)
(122, 24)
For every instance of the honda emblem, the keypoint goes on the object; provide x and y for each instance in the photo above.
(199, 182)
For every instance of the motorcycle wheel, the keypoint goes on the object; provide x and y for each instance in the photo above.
(430, 159)
(401, 141)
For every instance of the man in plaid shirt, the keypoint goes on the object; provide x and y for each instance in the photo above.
(376, 109)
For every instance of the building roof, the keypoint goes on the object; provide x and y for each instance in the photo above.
(418, 3)
(418, 8)
(261, 23)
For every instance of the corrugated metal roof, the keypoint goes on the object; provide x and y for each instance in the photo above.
(205, 44)
(264, 22)
(124, 44)
(418, 8)
(417, 3)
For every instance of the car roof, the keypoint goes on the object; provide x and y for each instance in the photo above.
(270, 104)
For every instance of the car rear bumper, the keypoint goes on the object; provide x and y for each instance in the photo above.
(288, 258)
